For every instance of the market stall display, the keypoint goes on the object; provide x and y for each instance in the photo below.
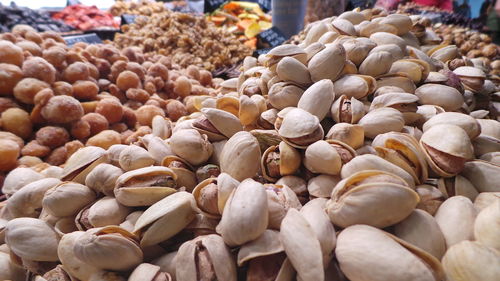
(13, 15)
(86, 17)
(142, 7)
(368, 150)
(186, 38)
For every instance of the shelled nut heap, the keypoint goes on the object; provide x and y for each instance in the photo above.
(355, 155)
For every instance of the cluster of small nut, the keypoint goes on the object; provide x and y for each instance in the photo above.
(186, 38)
(142, 7)
(55, 99)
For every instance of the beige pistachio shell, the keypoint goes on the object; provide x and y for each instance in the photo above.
(318, 98)
(161, 127)
(317, 29)
(73, 265)
(224, 122)
(80, 163)
(288, 163)
(145, 186)
(485, 176)
(487, 226)
(32, 239)
(166, 263)
(381, 38)
(368, 253)
(67, 199)
(421, 230)
(9, 270)
(280, 198)
(135, 157)
(373, 162)
(347, 110)
(328, 63)
(455, 218)
(219, 263)
(430, 198)
(113, 153)
(102, 178)
(321, 186)
(19, 177)
(300, 125)
(344, 27)
(327, 157)
(228, 103)
(240, 157)
(290, 69)
(457, 185)
(484, 199)
(105, 211)
(352, 135)
(250, 110)
(417, 70)
(185, 174)
(372, 27)
(282, 95)
(394, 100)
(466, 261)
(245, 215)
(27, 201)
(470, 125)
(399, 80)
(489, 127)
(445, 53)
(357, 86)
(108, 248)
(382, 120)
(302, 246)
(147, 272)
(401, 22)
(435, 94)
(190, 145)
(267, 244)
(371, 197)
(376, 64)
(165, 218)
(356, 50)
(393, 49)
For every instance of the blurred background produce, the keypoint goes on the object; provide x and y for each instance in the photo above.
(86, 17)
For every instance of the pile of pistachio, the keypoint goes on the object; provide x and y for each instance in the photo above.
(355, 155)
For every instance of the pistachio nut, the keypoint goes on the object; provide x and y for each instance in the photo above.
(318, 98)
(483, 175)
(279, 52)
(240, 157)
(417, 70)
(435, 94)
(290, 69)
(250, 109)
(161, 127)
(19, 177)
(217, 124)
(347, 110)
(400, 80)
(382, 120)
(157, 147)
(211, 194)
(102, 178)
(280, 198)
(27, 201)
(352, 135)
(487, 226)
(320, 65)
(9, 270)
(484, 199)
(67, 199)
(279, 160)
(284, 94)
(192, 146)
(113, 153)
(457, 185)
(327, 157)
(471, 77)
(470, 125)
(321, 186)
(80, 163)
(455, 218)
(105, 211)
(430, 198)
(135, 157)
(149, 272)
(183, 170)
(376, 64)
(401, 22)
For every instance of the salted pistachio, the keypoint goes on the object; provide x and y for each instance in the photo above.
(32, 239)
(251, 108)
(472, 77)
(373, 162)
(135, 157)
(455, 218)
(357, 50)
(302, 246)
(421, 230)
(428, 111)
(370, 28)
(240, 156)
(352, 135)
(145, 186)
(376, 64)
(108, 248)
(444, 53)
(19, 177)
(183, 170)
(358, 199)
(165, 218)
(368, 253)
(356, 86)
(217, 151)
(280, 198)
(250, 86)
(404, 102)
(205, 258)
(347, 110)
(191, 146)
(113, 153)
(466, 260)
(382, 120)
(489, 127)
(484, 199)
(417, 70)
(284, 94)
(217, 124)
(318, 98)
(290, 69)
(327, 157)
(321, 186)
(266, 138)
(444, 96)
(400, 80)
(27, 201)
(381, 38)
(297, 184)
(161, 127)
(103, 212)
(492, 157)
(457, 185)
(80, 163)
(157, 147)
(483, 175)
(412, 131)
(9, 270)
(344, 27)
(470, 125)
(393, 49)
(166, 262)
(320, 65)
(67, 199)
(267, 119)
(212, 194)
(149, 272)
(102, 178)
(404, 151)
(279, 160)
(245, 215)
(446, 148)
(355, 17)
(277, 53)
(229, 85)
(487, 226)
(401, 22)
(484, 144)
(52, 172)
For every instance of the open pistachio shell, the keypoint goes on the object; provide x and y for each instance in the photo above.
(401, 22)
(485, 176)
(300, 128)
(184, 171)
(455, 218)
(67, 199)
(357, 86)
(19, 177)
(327, 157)
(105, 211)
(102, 178)
(225, 124)
(376, 64)
(400, 80)
(80, 163)
(447, 97)
(73, 265)
(382, 120)
(352, 135)
(347, 110)
(290, 69)
(328, 63)
(267, 244)
(457, 185)
(192, 146)
(318, 98)
(145, 186)
(211, 194)
(27, 201)
(240, 157)
(135, 157)
(279, 160)
(417, 70)
(280, 198)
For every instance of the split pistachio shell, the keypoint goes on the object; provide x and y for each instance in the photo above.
(328, 63)
(352, 135)
(318, 98)
(290, 69)
(487, 226)
(245, 215)
(381, 38)
(455, 218)
(157, 147)
(240, 157)
(401, 22)
(9, 270)
(190, 145)
(327, 157)
(302, 246)
(368, 253)
(205, 258)
(28, 200)
(435, 94)
(113, 153)
(446, 53)
(105, 211)
(372, 197)
(457, 185)
(353, 85)
(211, 194)
(161, 127)
(18, 178)
(300, 128)
(344, 26)
(283, 94)
(400, 80)
(250, 110)
(279, 160)
(102, 178)
(73, 265)
(421, 230)
(135, 157)
(347, 110)
(467, 123)
(485, 176)
(148, 272)
(80, 163)
(317, 29)
(484, 199)
(382, 120)
(376, 64)
(321, 186)
(145, 186)
(165, 218)
(32, 239)
(393, 49)
(372, 27)
(469, 260)
(267, 244)
(225, 124)
(417, 70)
(280, 198)
(108, 248)
(373, 162)
(67, 199)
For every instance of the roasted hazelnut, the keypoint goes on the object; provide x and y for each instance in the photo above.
(85, 90)
(205, 77)
(10, 75)
(158, 70)
(52, 136)
(9, 151)
(76, 71)
(33, 148)
(182, 87)
(62, 109)
(175, 110)
(72, 147)
(146, 113)
(139, 95)
(27, 88)
(111, 109)
(62, 88)
(30, 47)
(57, 157)
(96, 121)
(129, 117)
(17, 121)
(137, 69)
(11, 53)
(29, 161)
(127, 80)
(6, 103)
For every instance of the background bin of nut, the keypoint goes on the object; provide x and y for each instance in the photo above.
(363, 153)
